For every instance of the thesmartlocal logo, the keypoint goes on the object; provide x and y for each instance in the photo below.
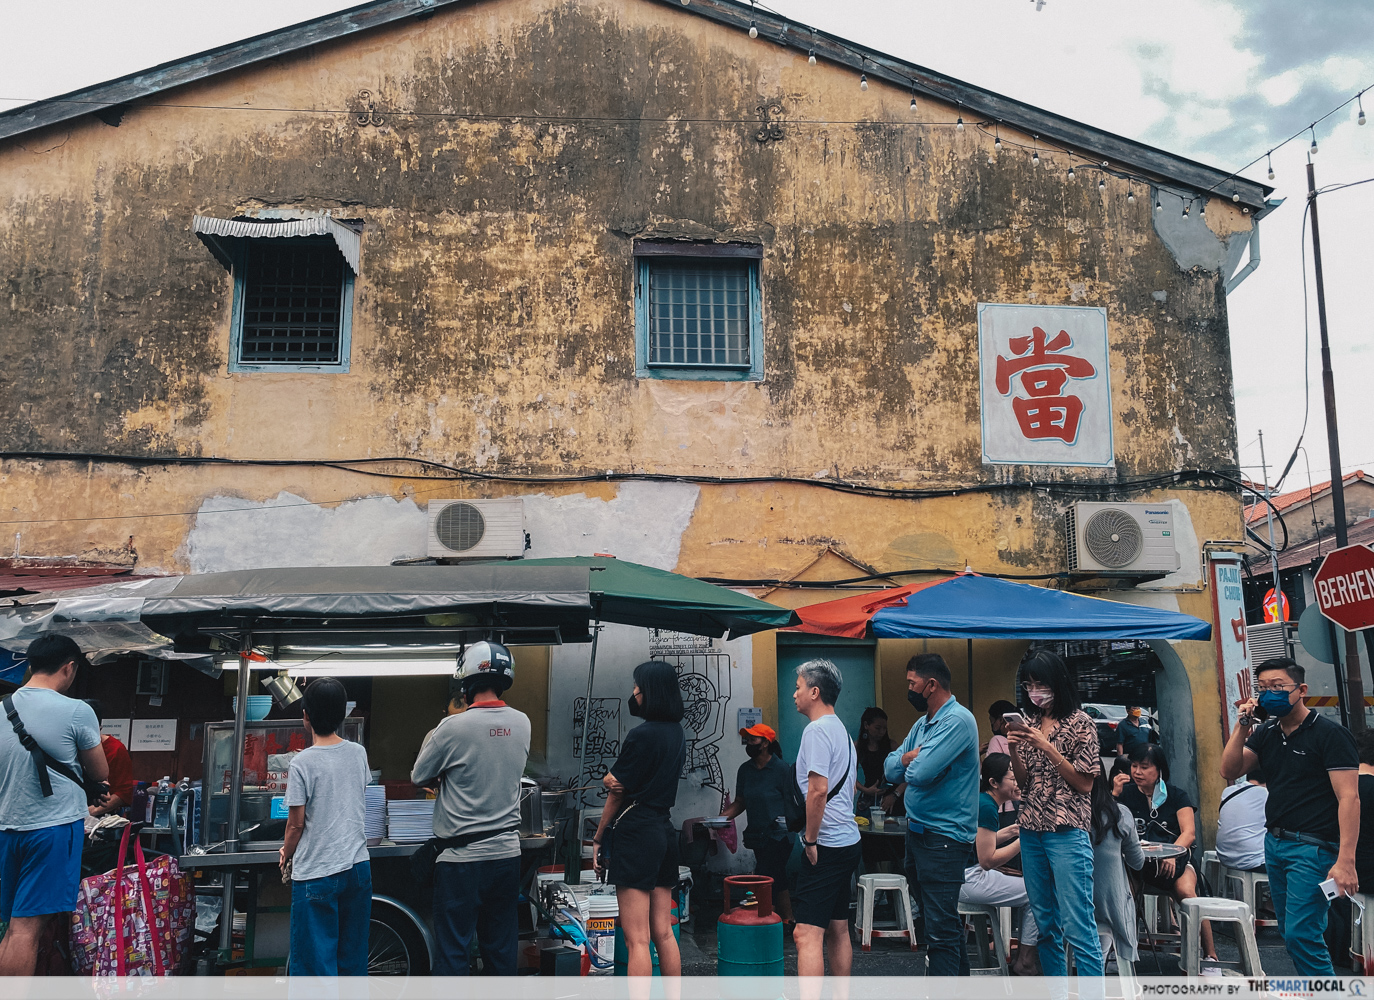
(1296, 987)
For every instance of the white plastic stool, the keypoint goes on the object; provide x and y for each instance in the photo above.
(1211, 870)
(990, 962)
(1362, 932)
(869, 887)
(1249, 890)
(1218, 910)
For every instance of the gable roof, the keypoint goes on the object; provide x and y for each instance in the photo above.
(1093, 143)
(1256, 509)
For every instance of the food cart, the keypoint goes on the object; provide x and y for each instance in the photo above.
(381, 617)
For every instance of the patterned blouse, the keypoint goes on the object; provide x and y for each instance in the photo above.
(1047, 801)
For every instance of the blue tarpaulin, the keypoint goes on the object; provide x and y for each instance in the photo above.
(980, 607)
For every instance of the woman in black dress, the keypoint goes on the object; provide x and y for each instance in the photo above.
(635, 830)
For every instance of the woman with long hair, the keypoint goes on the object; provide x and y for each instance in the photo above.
(872, 746)
(1055, 760)
(641, 787)
(1115, 848)
(1168, 816)
(985, 883)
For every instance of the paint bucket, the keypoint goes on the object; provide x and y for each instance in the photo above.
(601, 911)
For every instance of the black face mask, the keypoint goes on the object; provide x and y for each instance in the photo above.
(753, 749)
(636, 709)
(918, 701)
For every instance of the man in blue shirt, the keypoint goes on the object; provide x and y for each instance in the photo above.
(938, 760)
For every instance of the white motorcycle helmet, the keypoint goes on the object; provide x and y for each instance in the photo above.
(484, 660)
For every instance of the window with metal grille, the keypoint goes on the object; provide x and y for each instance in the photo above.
(293, 302)
(697, 313)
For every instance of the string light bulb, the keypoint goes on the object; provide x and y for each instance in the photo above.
(863, 81)
(1202, 210)
(913, 102)
(753, 30)
(1158, 206)
(997, 144)
(1130, 195)
(1269, 158)
(1185, 211)
(1071, 173)
(1359, 98)
(1312, 149)
(811, 57)
(1101, 186)
(1236, 197)
(959, 125)
(1035, 158)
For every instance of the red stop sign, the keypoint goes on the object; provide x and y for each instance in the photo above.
(1345, 587)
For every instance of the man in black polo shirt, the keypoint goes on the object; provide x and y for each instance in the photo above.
(1313, 813)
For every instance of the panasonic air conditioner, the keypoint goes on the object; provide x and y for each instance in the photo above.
(476, 529)
(1121, 538)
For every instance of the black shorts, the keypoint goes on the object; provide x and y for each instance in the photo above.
(823, 889)
(643, 850)
(770, 859)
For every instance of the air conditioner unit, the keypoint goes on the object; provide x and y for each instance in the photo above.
(476, 529)
(1121, 538)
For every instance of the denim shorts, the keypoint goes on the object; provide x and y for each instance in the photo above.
(40, 870)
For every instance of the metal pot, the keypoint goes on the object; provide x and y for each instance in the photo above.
(531, 809)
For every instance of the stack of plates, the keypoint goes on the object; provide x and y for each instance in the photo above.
(374, 826)
(410, 821)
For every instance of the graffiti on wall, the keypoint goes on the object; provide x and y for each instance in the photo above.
(603, 737)
(704, 677)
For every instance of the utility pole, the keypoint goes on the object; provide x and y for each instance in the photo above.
(1353, 681)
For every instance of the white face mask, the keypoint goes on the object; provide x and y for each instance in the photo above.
(1042, 699)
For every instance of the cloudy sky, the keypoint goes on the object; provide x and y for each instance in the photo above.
(1217, 80)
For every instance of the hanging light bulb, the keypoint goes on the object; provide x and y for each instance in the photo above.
(1236, 198)
(753, 30)
(1185, 211)
(1101, 186)
(1269, 159)
(1360, 100)
(811, 58)
(863, 81)
(959, 125)
(1312, 150)
(913, 104)
(1071, 173)
(1035, 158)
(1203, 209)
(686, 2)
(1158, 207)
(997, 144)
(1130, 197)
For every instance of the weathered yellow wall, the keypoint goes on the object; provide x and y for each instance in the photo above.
(493, 327)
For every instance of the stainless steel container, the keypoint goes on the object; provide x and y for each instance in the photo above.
(531, 809)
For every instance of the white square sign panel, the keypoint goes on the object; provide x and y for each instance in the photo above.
(1044, 385)
(154, 734)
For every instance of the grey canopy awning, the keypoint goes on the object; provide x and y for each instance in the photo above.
(212, 231)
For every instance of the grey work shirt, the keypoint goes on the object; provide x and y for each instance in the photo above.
(63, 727)
(481, 756)
(329, 781)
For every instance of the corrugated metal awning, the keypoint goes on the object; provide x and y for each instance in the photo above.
(349, 242)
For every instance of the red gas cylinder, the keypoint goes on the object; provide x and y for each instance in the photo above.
(749, 935)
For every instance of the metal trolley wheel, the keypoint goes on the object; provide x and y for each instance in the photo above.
(397, 942)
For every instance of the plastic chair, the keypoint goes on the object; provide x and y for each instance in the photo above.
(869, 887)
(1211, 871)
(992, 944)
(1362, 933)
(1249, 890)
(1218, 910)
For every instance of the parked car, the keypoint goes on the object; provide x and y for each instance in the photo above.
(1108, 716)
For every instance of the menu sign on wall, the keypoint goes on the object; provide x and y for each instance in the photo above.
(153, 734)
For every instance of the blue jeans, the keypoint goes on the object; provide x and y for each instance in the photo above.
(329, 923)
(1295, 873)
(935, 869)
(1058, 868)
(482, 898)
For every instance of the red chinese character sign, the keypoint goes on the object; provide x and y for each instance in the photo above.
(1046, 386)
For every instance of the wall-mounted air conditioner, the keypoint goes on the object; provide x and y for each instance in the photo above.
(476, 529)
(1121, 538)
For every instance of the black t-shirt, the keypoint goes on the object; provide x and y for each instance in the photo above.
(761, 789)
(1133, 737)
(1364, 847)
(650, 763)
(1300, 795)
(871, 762)
(1161, 825)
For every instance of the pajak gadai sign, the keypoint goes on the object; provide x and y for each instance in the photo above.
(1045, 386)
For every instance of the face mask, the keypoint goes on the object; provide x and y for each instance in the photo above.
(753, 749)
(918, 701)
(636, 709)
(1275, 703)
(1041, 699)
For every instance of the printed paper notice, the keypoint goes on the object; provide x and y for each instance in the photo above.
(118, 728)
(154, 734)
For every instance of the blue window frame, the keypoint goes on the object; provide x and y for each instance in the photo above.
(293, 305)
(698, 312)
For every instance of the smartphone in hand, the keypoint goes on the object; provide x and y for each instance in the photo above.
(1015, 720)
